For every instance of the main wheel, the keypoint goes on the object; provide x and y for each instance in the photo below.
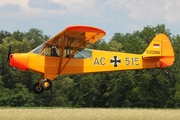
(37, 89)
(46, 84)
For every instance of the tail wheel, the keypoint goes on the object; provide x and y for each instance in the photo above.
(46, 84)
(37, 89)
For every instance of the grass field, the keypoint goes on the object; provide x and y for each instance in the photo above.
(88, 114)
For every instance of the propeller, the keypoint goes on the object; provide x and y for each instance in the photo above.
(4, 68)
(9, 53)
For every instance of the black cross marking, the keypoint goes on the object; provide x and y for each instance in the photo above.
(115, 61)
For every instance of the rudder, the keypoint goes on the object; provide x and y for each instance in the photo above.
(160, 48)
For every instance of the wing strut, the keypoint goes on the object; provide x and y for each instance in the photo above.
(61, 56)
(71, 55)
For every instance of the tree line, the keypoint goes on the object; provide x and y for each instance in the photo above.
(147, 88)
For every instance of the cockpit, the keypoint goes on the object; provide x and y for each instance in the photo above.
(52, 50)
(69, 44)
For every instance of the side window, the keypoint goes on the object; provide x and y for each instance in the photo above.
(51, 51)
(83, 53)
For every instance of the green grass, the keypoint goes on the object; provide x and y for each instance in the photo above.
(88, 114)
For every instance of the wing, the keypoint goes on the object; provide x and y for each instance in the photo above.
(77, 36)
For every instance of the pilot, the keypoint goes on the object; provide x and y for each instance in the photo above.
(53, 52)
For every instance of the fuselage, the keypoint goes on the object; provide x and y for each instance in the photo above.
(90, 62)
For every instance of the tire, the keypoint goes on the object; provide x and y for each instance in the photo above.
(36, 89)
(46, 84)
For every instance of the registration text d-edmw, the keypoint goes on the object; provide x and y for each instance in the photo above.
(152, 52)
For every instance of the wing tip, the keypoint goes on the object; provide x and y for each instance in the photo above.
(85, 28)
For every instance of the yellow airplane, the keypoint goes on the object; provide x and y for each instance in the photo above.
(67, 53)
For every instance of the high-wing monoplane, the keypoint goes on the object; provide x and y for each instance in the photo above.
(67, 53)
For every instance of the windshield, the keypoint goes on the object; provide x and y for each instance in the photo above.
(38, 49)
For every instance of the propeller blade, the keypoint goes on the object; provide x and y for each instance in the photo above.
(9, 52)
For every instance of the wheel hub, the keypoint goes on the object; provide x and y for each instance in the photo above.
(46, 84)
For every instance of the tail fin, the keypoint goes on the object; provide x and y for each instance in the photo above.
(160, 49)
